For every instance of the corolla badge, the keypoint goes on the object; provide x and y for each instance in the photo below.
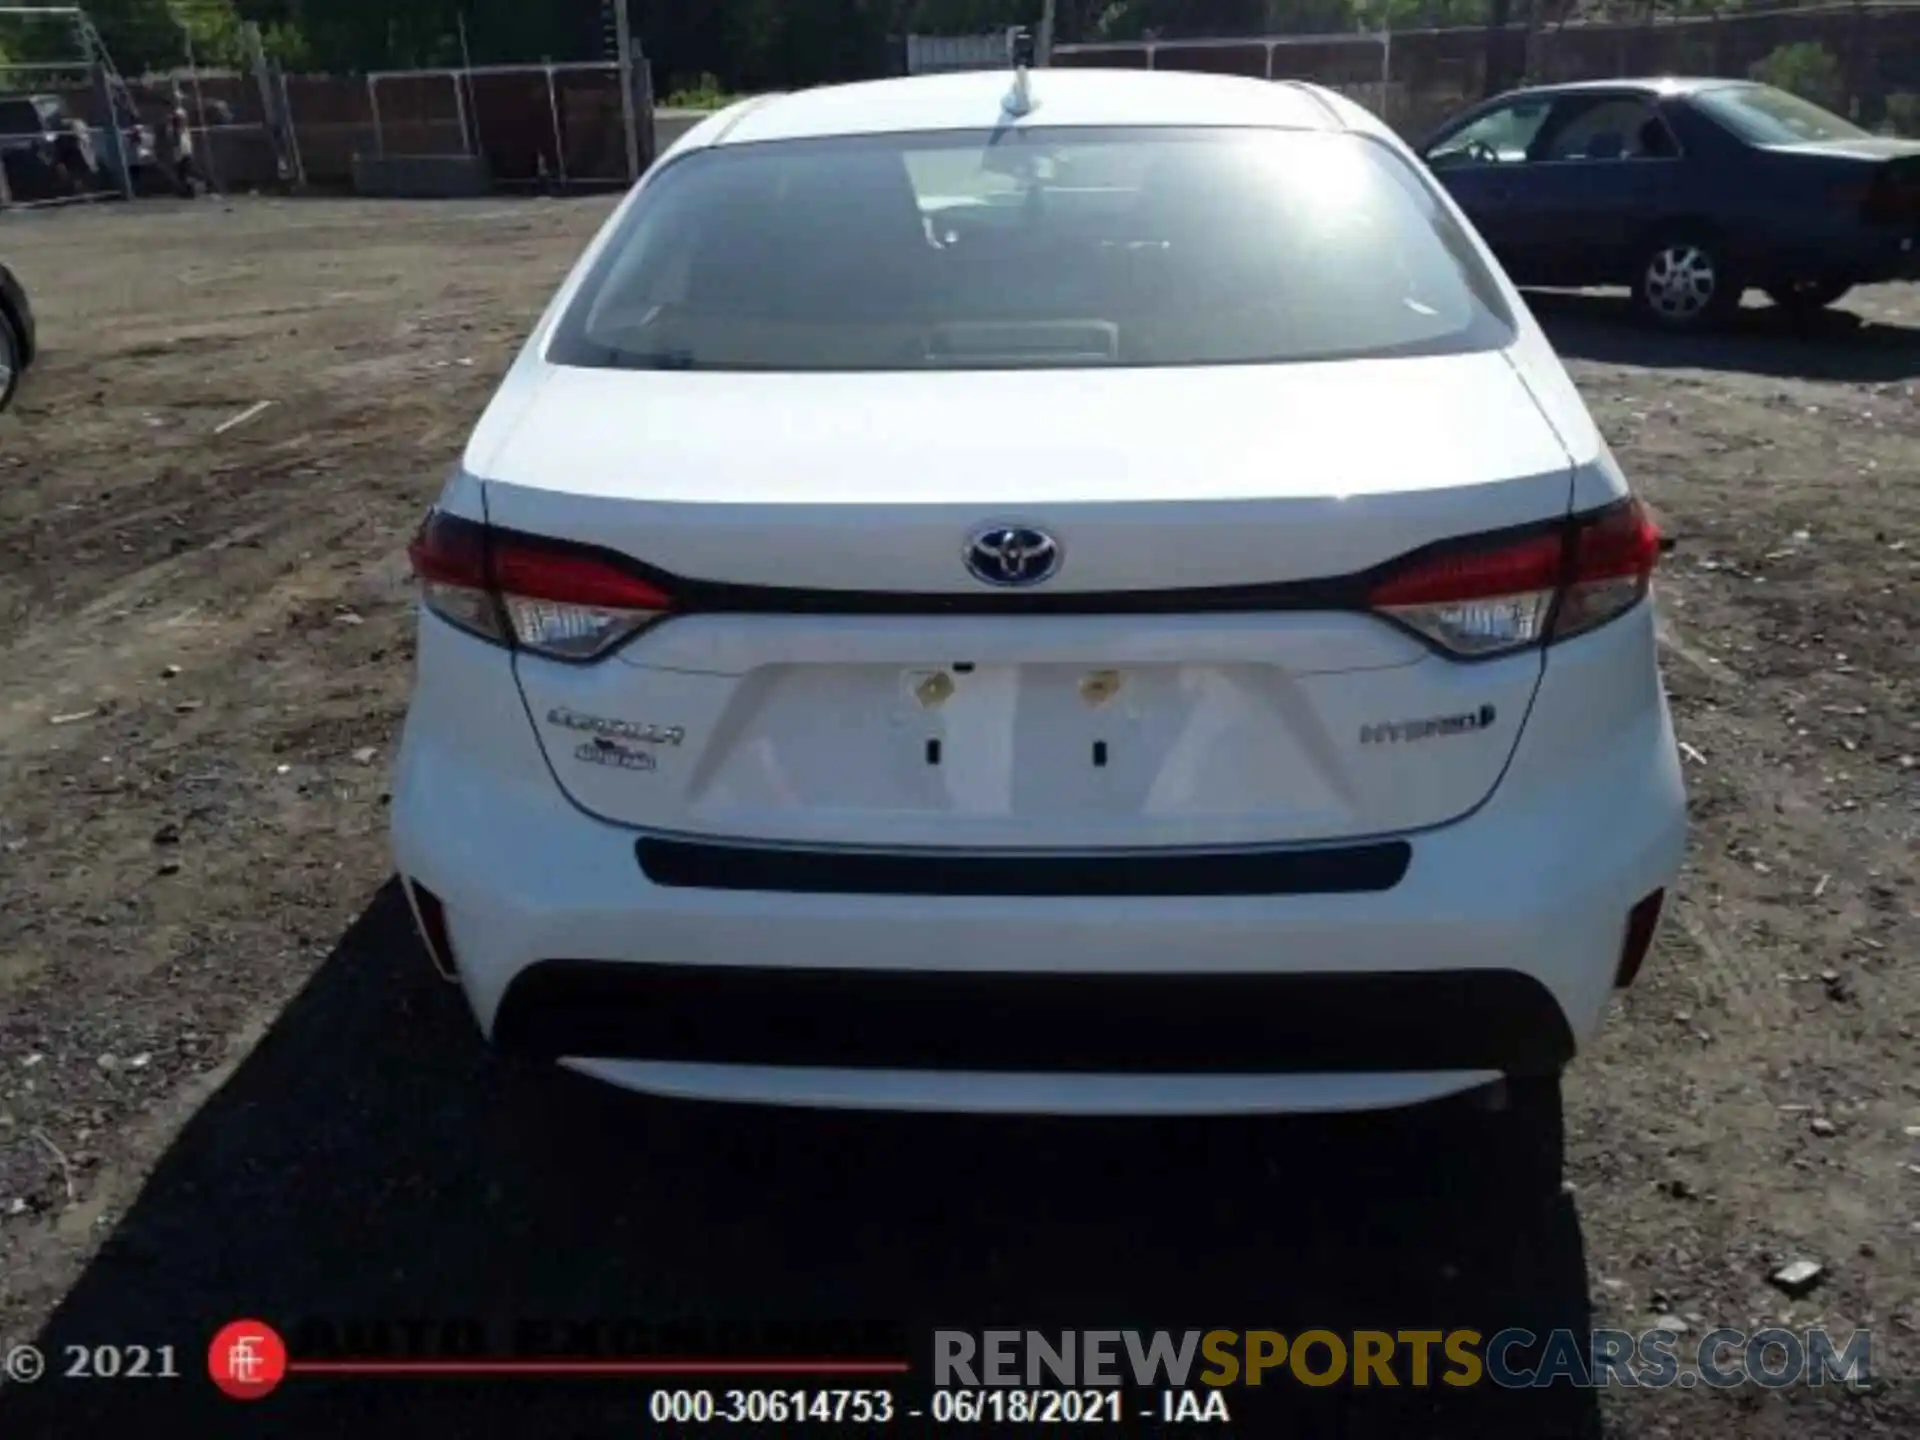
(1012, 555)
(640, 731)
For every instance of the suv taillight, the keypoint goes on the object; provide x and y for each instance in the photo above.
(1490, 596)
(566, 601)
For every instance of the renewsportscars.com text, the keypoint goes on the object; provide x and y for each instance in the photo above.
(1513, 1358)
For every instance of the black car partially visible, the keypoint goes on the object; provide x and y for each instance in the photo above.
(16, 333)
(1689, 191)
(47, 152)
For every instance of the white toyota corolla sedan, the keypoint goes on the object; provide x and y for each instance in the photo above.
(1087, 592)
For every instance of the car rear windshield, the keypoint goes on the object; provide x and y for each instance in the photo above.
(1032, 248)
(1765, 116)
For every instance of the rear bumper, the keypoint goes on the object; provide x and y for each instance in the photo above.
(1494, 953)
(1860, 256)
(1875, 259)
(1897, 264)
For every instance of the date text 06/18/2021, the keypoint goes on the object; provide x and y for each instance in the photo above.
(1011, 1406)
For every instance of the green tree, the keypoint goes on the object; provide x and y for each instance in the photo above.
(287, 45)
(1903, 112)
(214, 27)
(967, 17)
(1136, 19)
(1805, 68)
(38, 39)
(140, 35)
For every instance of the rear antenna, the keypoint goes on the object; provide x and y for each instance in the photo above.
(1019, 99)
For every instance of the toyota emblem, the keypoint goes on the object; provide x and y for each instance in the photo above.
(1012, 555)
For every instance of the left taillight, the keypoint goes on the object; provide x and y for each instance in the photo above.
(449, 558)
(1491, 595)
(554, 598)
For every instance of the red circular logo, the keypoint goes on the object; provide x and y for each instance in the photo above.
(247, 1359)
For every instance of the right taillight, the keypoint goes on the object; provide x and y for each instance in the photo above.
(552, 597)
(1614, 552)
(1492, 595)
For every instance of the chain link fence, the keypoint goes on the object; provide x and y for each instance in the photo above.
(186, 127)
(1415, 78)
(53, 149)
(556, 125)
(73, 128)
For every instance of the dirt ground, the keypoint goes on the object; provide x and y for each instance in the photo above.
(228, 1083)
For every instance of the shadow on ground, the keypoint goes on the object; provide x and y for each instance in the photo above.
(1759, 340)
(369, 1161)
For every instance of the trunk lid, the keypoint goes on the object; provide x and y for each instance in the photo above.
(1863, 147)
(1037, 729)
(1883, 170)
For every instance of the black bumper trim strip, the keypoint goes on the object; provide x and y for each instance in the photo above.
(1026, 1022)
(1331, 870)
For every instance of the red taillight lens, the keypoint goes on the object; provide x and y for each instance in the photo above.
(570, 603)
(1477, 600)
(1483, 597)
(449, 557)
(554, 598)
(1614, 553)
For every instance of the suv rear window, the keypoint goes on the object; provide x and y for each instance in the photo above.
(1070, 247)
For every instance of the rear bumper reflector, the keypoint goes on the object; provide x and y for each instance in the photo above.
(431, 918)
(1023, 1022)
(1642, 921)
(1346, 869)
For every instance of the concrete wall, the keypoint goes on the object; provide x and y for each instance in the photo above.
(428, 177)
(670, 125)
(933, 54)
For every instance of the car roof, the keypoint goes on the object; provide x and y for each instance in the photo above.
(974, 100)
(1640, 85)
